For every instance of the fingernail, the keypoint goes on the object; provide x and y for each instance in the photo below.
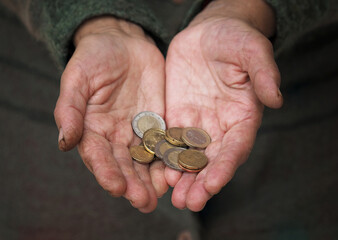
(279, 93)
(61, 141)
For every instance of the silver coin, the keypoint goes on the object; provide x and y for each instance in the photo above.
(146, 120)
(161, 147)
(170, 158)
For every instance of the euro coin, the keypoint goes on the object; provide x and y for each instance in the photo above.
(170, 158)
(151, 137)
(174, 136)
(192, 159)
(161, 147)
(195, 137)
(140, 154)
(189, 170)
(146, 120)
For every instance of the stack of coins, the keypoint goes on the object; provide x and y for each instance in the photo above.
(178, 148)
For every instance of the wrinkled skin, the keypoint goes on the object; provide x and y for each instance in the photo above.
(110, 78)
(219, 72)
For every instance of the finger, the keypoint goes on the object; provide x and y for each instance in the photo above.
(136, 192)
(181, 190)
(71, 107)
(143, 173)
(97, 155)
(158, 180)
(235, 148)
(197, 196)
(264, 73)
(172, 176)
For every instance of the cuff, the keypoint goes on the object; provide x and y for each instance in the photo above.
(58, 20)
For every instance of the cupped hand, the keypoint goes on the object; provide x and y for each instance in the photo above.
(220, 71)
(115, 72)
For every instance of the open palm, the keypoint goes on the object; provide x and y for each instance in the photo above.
(110, 78)
(218, 74)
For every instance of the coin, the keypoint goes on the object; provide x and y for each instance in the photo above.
(151, 137)
(174, 136)
(195, 137)
(161, 147)
(140, 154)
(188, 170)
(170, 157)
(146, 120)
(192, 159)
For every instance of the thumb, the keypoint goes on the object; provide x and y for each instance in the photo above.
(264, 74)
(71, 107)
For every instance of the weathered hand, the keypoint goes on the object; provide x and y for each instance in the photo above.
(219, 73)
(115, 72)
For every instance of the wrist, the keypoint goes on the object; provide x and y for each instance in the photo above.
(110, 25)
(257, 13)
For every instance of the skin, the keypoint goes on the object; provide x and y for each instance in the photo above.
(109, 79)
(219, 73)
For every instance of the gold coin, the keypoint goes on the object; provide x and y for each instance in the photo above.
(151, 137)
(139, 154)
(161, 147)
(174, 136)
(192, 159)
(195, 137)
(189, 170)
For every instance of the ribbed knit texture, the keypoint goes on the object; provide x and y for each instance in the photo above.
(55, 21)
(61, 18)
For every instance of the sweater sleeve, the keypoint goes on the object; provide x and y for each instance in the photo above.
(296, 16)
(55, 21)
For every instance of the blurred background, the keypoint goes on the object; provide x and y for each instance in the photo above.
(288, 189)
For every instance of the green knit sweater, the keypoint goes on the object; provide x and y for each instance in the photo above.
(55, 21)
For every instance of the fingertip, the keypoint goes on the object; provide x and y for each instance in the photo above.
(69, 139)
(279, 100)
(143, 200)
(70, 108)
(212, 185)
(272, 99)
(149, 208)
(217, 178)
(196, 207)
(160, 189)
(158, 179)
(266, 85)
(139, 199)
(197, 197)
(172, 176)
(114, 184)
(61, 141)
(70, 124)
(179, 195)
(178, 201)
(145, 210)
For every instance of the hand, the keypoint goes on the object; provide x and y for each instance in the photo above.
(115, 72)
(220, 71)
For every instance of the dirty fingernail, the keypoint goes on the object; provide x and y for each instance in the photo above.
(61, 141)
